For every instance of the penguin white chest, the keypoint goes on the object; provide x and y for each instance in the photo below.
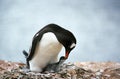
(46, 52)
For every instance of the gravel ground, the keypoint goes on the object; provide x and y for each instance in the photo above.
(78, 70)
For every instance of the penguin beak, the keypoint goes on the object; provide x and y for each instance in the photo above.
(67, 54)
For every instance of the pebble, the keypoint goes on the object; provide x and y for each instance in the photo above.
(67, 71)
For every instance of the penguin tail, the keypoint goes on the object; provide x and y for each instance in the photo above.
(25, 53)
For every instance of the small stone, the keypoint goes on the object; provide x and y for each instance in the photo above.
(98, 73)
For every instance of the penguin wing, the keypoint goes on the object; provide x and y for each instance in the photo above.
(36, 40)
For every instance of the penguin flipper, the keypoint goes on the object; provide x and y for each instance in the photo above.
(37, 37)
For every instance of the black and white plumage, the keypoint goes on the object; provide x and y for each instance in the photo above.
(46, 46)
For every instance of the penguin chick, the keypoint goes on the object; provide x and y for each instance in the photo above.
(55, 67)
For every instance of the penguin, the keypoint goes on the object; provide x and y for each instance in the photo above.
(46, 45)
(55, 67)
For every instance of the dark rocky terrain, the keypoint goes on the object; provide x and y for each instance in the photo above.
(78, 70)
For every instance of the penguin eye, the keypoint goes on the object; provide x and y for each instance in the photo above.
(72, 45)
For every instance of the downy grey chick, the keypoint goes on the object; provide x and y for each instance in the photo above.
(55, 67)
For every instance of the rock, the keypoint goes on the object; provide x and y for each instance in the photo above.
(79, 70)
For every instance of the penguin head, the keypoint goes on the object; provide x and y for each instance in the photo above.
(69, 46)
(68, 40)
(61, 60)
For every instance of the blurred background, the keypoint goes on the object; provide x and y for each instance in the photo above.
(95, 24)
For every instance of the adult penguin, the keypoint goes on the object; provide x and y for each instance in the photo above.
(46, 46)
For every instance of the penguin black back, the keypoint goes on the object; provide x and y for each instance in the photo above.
(65, 37)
